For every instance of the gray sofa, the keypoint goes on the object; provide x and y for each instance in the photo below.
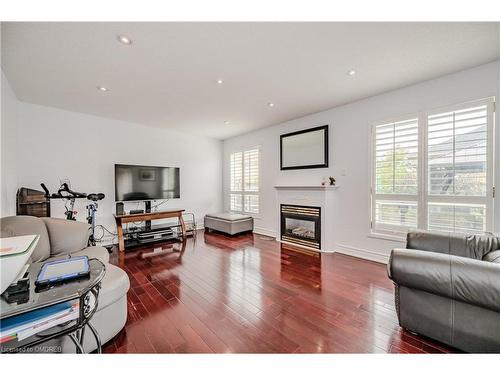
(62, 238)
(448, 288)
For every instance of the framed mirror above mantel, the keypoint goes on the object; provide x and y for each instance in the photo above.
(304, 149)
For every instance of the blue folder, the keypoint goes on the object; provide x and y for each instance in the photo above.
(32, 316)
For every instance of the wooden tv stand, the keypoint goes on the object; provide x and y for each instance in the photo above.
(147, 216)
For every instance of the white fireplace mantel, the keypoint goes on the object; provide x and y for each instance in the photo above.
(306, 187)
(322, 196)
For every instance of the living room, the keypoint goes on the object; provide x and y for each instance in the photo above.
(250, 187)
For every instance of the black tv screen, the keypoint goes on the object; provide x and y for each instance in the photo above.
(140, 182)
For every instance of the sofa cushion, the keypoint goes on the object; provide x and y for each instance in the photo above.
(114, 286)
(13, 226)
(97, 252)
(66, 236)
(493, 256)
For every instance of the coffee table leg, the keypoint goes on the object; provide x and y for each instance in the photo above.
(81, 335)
(97, 338)
(79, 347)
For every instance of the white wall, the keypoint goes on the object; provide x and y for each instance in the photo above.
(350, 156)
(46, 144)
(55, 144)
(8, 137)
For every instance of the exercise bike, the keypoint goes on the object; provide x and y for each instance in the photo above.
(69, 197)
(91, 210)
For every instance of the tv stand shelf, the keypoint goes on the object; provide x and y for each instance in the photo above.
(142, 235)
(143, 229)
(147, 233)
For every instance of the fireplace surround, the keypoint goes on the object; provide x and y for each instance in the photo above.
(321, 198)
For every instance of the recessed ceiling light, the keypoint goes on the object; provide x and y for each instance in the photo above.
(220, 81)
(351, 72)
(270, 105)
(102, 88)
(124, 39)
(227, 122)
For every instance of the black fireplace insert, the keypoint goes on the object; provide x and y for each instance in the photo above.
(301, 225)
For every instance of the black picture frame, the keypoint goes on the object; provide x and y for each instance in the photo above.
(325, 154)
(147, 174)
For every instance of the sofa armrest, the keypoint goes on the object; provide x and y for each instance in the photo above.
(463, 279)
(66, 236)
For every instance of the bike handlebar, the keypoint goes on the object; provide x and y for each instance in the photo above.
(47, 193)
(70, 194)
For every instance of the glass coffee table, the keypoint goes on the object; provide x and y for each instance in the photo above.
(82, 293)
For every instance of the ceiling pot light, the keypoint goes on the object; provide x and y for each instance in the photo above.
(102, 88)
(124, 39)
(220, 81)
(270, 105)
(227, 122)
(351, 72)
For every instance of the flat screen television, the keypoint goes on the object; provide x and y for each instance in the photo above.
(142, 183)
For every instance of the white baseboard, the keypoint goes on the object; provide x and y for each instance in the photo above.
(265, 232)
(362, 253)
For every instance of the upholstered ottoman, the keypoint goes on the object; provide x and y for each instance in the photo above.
(228, 223)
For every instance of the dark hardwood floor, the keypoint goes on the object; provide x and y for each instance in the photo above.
(249, 295)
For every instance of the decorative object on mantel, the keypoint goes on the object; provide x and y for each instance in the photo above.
(304, 149)
(321, 187)
(332, 181)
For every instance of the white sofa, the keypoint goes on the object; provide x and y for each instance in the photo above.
(62, 238)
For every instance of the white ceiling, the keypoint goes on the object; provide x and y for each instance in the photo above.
(167, 77)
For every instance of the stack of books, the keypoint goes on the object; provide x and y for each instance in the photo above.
(28, 324)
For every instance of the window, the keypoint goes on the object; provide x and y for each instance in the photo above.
(457, 170)
(245, 181)
(435, 171)
(396, 180)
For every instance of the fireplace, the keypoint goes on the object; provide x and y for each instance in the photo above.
(301, 225)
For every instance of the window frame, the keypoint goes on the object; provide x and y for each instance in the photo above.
(422, 172)
(242, 192)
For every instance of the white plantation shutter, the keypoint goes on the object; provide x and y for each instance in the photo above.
(395, 194)
(251, 170)
(457, 170)
(245, 181)
(435, 171)
(237, 171)
(251, 204)
(236, 202)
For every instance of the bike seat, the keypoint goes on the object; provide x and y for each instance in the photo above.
(95, 196)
